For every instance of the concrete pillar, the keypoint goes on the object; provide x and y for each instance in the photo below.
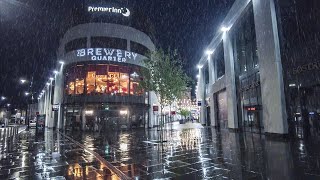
(202, 97)
(230, 82)
(271, 78)
(58, 97)
(213, 110)
(212, 79)
(212, 73)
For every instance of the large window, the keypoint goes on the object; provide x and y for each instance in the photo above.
(219, 61)
(139, 48)
(102, 79)
(246, 53)
(108, 42)
(76, 44)
(79, 79)
(91, 78)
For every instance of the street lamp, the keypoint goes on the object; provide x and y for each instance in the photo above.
(61, 62)
(55, 72)
(26, 93)
(23, 81)
(3, 98)
(225, 29)
(209, 52)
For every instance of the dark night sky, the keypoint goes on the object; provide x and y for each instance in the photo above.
(31, 29)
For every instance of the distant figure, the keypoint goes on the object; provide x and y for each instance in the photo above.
(6, 120)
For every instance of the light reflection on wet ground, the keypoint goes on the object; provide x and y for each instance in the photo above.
(205, 153)
(47, 155)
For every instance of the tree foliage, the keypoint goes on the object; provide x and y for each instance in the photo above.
(164, 75)
(184, 112)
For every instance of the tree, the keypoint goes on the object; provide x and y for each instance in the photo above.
(164, 75)
(184, 113)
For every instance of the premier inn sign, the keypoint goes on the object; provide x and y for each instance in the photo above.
(107, 54)
(124, 11)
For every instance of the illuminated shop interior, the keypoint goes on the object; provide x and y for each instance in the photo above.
(95, 79)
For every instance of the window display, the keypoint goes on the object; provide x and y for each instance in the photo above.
(102, 79)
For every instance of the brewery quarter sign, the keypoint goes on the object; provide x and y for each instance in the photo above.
(107, 54)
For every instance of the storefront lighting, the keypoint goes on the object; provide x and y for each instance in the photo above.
(88, 112)
(225, 29)
(123, 112)
(134, 75)
(23, 81)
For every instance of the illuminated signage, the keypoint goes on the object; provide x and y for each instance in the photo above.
(307, 67)
(55, 107)
(124, 11)
(107, 54)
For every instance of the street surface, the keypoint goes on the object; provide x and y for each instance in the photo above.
(186, 151)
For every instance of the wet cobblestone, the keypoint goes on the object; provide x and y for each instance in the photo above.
(205, 153)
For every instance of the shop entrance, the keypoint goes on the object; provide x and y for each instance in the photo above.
(253, 120)
(208, 120)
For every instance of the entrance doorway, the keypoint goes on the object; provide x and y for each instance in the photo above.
(253, 120)
(208, 120)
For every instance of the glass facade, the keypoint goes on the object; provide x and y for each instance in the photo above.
(95, 79)
(247, 73)
(219, 61)
(300, 53)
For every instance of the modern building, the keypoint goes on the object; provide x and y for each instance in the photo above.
(98, 78)
(260, 72)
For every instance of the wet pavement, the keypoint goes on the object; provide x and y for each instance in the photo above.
(190, 151)
(48, 155)
(187, 151)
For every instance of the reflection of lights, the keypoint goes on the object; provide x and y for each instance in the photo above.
(22, 81)
(123, 112)
(88, 112)
(134, 75)
(123, 147)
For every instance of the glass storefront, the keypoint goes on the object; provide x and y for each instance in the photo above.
(104, 95)
(222, 109)
(94, 79)
(247, 74)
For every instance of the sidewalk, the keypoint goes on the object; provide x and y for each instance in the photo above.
(204, 153)
(48, 155)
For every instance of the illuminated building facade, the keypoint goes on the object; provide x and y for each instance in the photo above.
(261, 72)
(98, 79)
